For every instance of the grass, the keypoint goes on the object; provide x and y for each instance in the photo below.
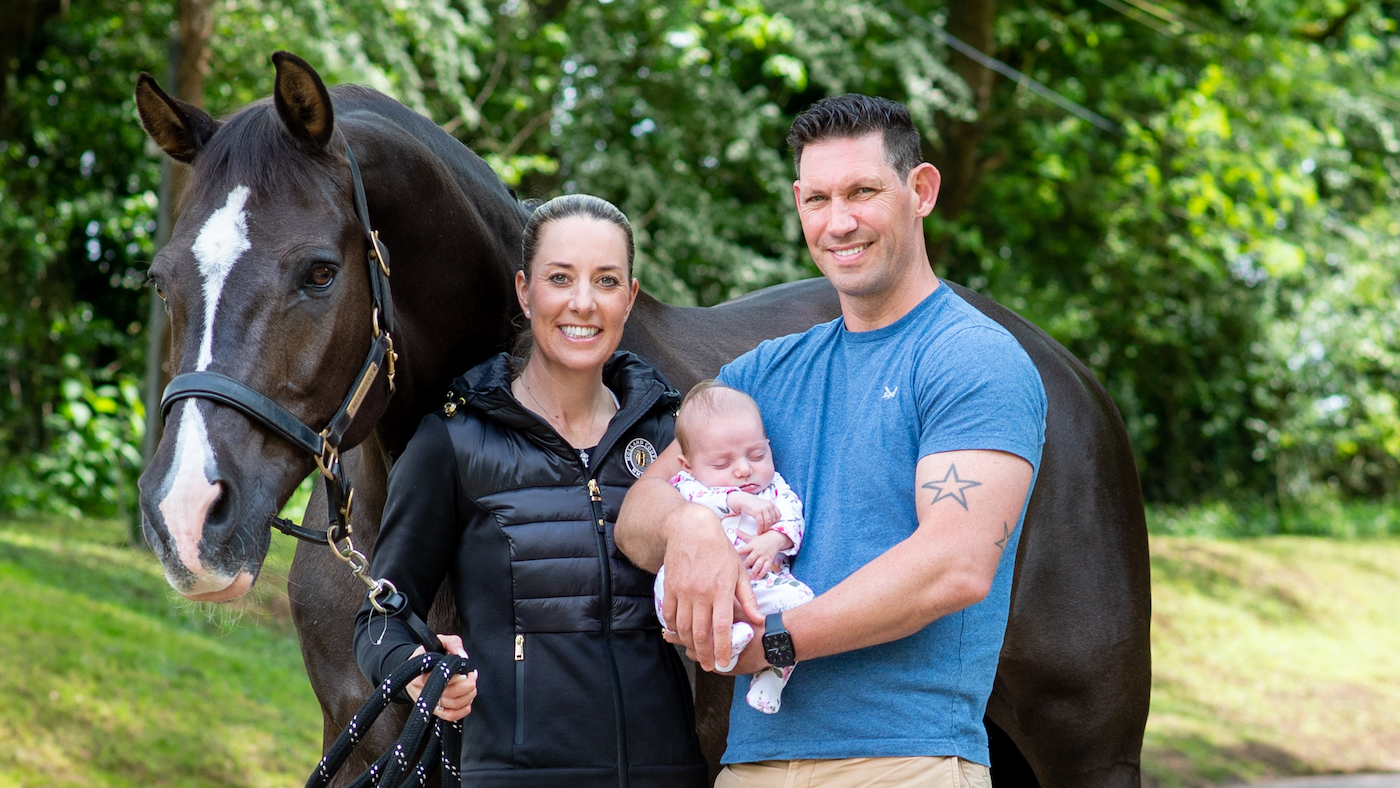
(108, 679)
(1318, 515)
(1273, 656)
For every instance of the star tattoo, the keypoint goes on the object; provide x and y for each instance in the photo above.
(1005, 534)
(950, 486)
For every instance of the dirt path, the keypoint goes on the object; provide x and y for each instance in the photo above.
(1335, 781)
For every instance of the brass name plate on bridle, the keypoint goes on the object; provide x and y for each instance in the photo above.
(362, 389)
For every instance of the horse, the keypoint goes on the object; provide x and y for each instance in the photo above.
(265, 283)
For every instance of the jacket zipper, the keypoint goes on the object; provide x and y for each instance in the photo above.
(519, 688)
(595, 497)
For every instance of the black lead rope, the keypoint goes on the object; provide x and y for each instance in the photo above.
(440, 741)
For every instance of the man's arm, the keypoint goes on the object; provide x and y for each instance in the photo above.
(704, 576)
(968, 503)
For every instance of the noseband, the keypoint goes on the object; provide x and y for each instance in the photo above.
(324, 445)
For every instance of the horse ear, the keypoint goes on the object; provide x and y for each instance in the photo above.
(180, 129)
(302, 100)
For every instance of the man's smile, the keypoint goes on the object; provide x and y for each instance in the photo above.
(850, 252)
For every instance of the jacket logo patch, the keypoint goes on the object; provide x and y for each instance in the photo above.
(640, 454)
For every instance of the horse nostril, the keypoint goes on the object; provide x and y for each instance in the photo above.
(219, 509)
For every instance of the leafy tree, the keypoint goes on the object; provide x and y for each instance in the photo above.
(77, 221)
(1222, 263)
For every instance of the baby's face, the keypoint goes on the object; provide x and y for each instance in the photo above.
(731, 450)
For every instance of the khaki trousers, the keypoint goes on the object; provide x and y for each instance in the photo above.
(923, 772)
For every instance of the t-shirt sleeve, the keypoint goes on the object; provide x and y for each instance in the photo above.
(740, 373)
(978, 390)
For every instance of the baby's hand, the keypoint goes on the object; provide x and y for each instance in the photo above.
(760, 552)
(763, 511)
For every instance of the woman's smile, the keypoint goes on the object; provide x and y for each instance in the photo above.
(580, 332)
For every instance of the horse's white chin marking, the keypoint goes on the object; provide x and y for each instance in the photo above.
(222, 240)
(189, 491)
(218, 588)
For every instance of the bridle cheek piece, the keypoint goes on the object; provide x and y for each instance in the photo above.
(324, 445)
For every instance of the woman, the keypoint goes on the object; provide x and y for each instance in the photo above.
(510, 492)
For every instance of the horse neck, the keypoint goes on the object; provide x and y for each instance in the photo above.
(453, 232)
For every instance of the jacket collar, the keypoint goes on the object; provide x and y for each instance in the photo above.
(638, 385)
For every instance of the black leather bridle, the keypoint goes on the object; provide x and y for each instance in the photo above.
(324, 445)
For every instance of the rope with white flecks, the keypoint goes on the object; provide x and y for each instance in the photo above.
(439, 740)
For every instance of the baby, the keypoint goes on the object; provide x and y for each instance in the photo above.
(727, 466)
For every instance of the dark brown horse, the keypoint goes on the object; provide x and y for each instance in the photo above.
(265, 281)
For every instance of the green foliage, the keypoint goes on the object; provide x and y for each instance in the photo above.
(94, 458)
(77, 224)
(1223, 265)
(1319, 514)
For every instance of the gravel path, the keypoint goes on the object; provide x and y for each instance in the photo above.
(1334, 781)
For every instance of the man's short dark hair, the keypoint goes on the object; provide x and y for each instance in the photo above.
(855, 115)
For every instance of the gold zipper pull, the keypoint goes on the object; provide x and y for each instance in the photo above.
(519, 648)
(594, 494)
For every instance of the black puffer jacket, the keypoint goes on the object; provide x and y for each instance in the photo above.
(576, 687)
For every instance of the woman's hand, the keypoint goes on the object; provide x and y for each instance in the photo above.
(457, 696)
(761, 552)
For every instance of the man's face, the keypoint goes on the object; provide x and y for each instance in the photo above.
(861, 220)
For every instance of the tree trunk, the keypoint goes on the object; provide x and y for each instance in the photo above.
(22, 19)
(959, 162)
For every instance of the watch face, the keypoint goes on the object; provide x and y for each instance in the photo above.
(777, 649)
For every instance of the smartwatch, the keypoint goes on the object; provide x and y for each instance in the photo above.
(777, 643)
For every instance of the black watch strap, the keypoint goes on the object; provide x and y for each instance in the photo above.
(777, 643)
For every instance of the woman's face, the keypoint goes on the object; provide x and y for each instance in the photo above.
(578, 293)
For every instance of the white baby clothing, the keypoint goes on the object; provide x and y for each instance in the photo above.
(776, 591)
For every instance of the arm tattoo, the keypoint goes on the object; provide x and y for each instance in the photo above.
(950, 486)
(1005, 534)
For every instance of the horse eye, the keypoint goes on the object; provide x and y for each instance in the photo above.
(321, 275)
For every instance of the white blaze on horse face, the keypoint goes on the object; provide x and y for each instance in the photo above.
(222, 240)
(190, 492)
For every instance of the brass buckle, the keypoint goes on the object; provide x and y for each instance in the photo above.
(345, 511)
(377, 253)
(374, 317)
(389, 359)
(328, 458)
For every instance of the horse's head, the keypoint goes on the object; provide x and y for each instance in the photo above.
(265, 281)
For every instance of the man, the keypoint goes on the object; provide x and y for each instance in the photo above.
(911, 428)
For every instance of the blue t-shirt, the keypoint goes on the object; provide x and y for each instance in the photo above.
(849, 415)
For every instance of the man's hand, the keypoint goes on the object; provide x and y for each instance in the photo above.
(705, 583)
(760, 553)
(763, 511)
(457, 696)
(751, 659)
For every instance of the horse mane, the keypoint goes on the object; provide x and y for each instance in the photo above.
(252, 147)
